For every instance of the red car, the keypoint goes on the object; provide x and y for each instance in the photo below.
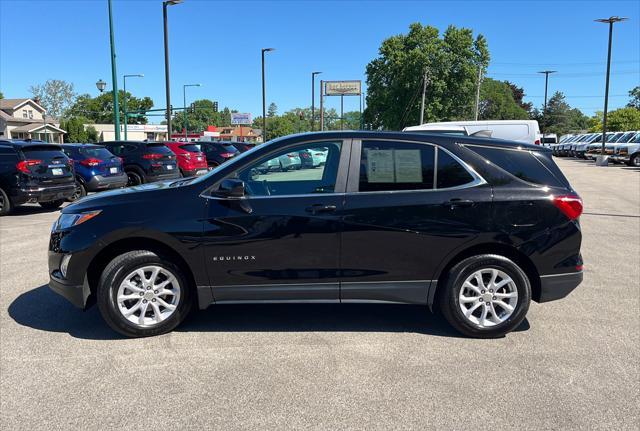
(191, 159)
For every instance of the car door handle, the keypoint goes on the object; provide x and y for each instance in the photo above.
(320, 208)
(459, 203)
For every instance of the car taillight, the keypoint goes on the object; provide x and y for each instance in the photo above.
(91, 162)
(570, 205)
(537, 142)
(152, 156)
(23, 165)
(226, 155)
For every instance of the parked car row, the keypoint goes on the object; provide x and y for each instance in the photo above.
(49, 174)
(621, 147)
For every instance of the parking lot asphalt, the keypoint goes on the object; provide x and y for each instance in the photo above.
(573, 363)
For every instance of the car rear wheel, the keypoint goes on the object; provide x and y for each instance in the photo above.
(635, 160)
(5, 204)
(143, 294)
(80, 192)
(133, 179)
(52, 205)
(485, 296)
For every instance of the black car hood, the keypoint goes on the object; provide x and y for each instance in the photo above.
(119, 196)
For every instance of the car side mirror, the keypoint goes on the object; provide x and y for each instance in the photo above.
(231, 188)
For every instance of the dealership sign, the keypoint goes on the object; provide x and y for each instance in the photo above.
(342, 88)
(238, 118)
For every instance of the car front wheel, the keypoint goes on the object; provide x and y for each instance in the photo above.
(142, 294)
(485, 296)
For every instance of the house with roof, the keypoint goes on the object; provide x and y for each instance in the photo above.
(26, 119)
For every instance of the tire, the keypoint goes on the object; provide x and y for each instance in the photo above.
(134, 179)
(80, 192)
(6, 206)
(121, 268)
(52, 205)
(635, 160)
(496, 325)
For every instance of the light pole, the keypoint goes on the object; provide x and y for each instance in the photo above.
(264, 99)
(546, 86)
(184, 102)
(124, 99)
(101, 85)
(601, 160)
(165, 4)
(313, 94)
(114, 77)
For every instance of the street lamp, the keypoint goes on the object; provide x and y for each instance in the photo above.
(114, 77)
(313, 94)
(101, 85)
(601, 160)
(166, 3)
(184, 101)
(264, 107)
(124, 100)
(546, 85)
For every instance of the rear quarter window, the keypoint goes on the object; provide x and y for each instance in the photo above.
(524, 165)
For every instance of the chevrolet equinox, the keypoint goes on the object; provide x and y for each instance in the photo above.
(474, 227)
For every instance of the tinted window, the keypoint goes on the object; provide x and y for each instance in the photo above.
(96, 152)
(388, 166)
(283, 173)
(520, 163)
(194, 148)
(158, 148)
(43, 152)
(450, 172)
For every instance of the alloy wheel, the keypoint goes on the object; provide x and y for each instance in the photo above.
(488, 297)
(148, 295)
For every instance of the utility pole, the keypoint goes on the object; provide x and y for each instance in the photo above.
(313, 93)
(264, 99)
(602, 160)
(114, 77)
(546, 87)
(478, 91)
(321, 105)
(424, 92)
(165, 4)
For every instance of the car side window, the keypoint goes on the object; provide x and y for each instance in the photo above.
(115, 149)
(304, 169)
(450, 172)
(393, 166)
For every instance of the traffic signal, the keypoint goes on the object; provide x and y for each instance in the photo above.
(192, 108)
(215, 106)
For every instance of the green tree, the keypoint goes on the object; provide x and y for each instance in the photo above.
(75, 129)
(518, 96)
(272, 110)
(55, 95)
(497, 102)
(634, 95)
(620, 120)
(560, 118)
(1, 95)
(395, 77)
(99, 109)
(202, 116)
(92, 134)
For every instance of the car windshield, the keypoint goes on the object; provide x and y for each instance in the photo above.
(194, 148)
(96, 152)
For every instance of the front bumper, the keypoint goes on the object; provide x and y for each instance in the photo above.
(557, 286)
(44, 194)
(99, 182)
(78, 295)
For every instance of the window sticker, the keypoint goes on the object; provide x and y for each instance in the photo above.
(408, 166)
(380, 166)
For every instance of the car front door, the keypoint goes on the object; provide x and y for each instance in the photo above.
(281, 240)
(408, 205)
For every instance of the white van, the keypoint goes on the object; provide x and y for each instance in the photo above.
(526, 131)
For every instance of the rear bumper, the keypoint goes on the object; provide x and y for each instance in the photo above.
(557, 286)
(150, 178)
(44, 193)
(195, 172)
(99, 182)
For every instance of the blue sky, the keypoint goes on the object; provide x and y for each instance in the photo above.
(218, 44)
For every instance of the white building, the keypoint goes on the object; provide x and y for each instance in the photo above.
(25, 119)
(135, 132)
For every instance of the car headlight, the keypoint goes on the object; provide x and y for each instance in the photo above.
(66, 221)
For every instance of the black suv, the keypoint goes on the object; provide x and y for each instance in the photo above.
(34, 171)
(218, 152)
(145, 162)
(476, 227)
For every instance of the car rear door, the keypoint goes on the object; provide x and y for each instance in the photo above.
(46, 164)
(281, 241)
(408, 205)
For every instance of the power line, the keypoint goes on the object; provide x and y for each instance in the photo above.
(568, 75)
(565, 64)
